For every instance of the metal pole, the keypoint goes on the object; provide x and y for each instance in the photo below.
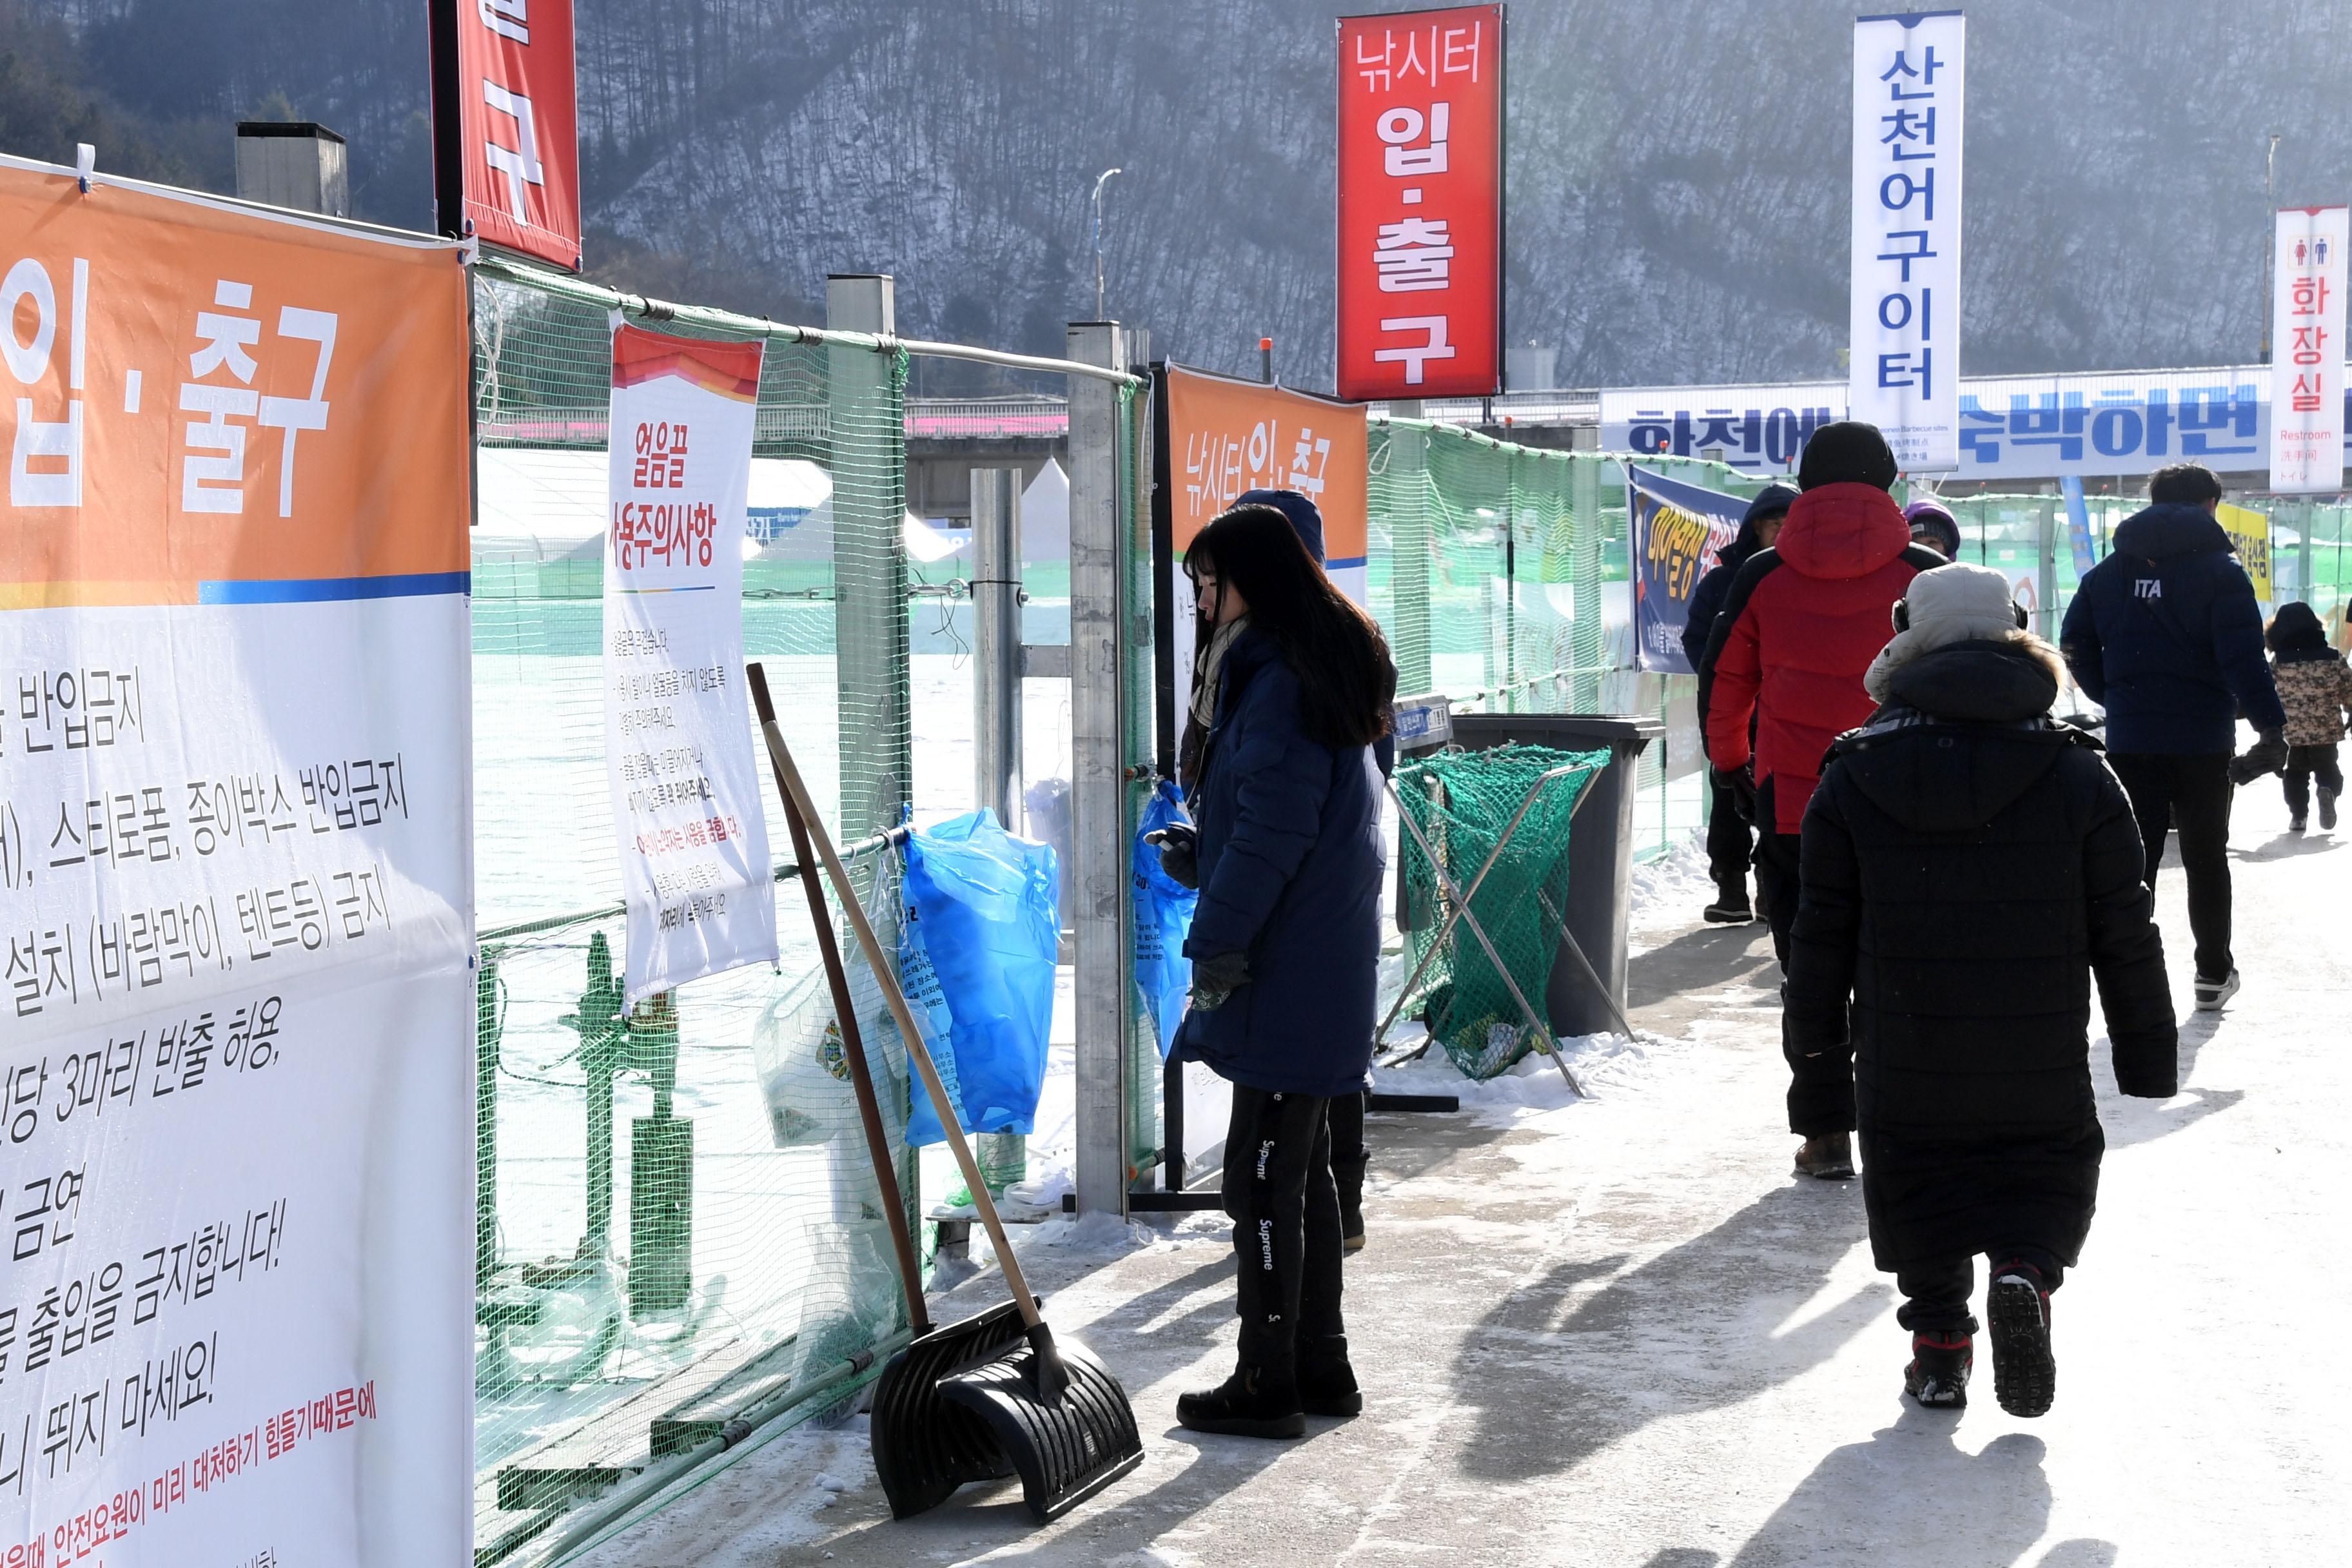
(2045, 568)
(2270, 240)
(867, 441)
(1408, 476)
(2303, 552)
(1585, 632)
(1100, 181)
(996, 641)
(1098, 784)
(1265, 361)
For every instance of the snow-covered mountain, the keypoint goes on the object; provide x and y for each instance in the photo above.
(1677, 168)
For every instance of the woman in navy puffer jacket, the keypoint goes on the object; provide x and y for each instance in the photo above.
(1293, 685)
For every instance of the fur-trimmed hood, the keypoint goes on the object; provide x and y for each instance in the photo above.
(1907, 646)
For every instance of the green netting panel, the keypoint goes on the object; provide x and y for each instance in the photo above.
(1502, 575)
(651, 1261)
(1465, 803)
(1138, 747)
(1500, 571)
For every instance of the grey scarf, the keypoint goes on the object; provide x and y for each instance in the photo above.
(1212, 659)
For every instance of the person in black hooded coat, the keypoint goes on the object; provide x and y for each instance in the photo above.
(1730, 837)
(1969, 865)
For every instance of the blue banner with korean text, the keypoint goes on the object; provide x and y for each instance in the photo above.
(2091, 424)
(1677, 531)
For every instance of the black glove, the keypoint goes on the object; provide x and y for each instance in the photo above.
(1741, 784)
(2266, 756)
(1217, 977)
(1180, 852)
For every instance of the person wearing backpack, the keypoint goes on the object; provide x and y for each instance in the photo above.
(2165, 634)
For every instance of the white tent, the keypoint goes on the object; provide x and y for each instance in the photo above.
(1045, 517)
(545, 506)
(788, 511)
(535, 505)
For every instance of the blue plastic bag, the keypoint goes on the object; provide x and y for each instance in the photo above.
(980, 929)
(1163, 919)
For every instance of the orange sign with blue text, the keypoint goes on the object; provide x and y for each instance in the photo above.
(200, 404)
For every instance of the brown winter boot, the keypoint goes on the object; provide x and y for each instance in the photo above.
(1828, 1158)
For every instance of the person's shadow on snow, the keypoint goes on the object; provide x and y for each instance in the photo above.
(2128, 1121)
(2288, 846)
(1912, 1495)
(1701, 1326)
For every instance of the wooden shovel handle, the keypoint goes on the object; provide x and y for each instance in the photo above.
(853, 1042)
(788, 773)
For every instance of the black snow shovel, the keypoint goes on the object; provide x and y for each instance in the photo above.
(923, 1447)
(975, 1400)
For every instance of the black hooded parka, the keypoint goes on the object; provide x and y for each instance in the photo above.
(1969, 866)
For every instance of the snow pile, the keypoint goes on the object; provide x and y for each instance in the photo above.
(1671, 889)
(1533, 1086)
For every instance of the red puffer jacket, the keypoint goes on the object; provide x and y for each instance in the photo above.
(1803, 622)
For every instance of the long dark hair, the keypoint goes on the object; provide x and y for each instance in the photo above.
(1346, 683)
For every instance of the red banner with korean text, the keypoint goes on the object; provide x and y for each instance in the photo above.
(506, 125)
(1421, 203)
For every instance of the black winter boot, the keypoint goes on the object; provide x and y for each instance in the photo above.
(2024, 1372)
(1828, 1158)
(1937, 1376)
(1731, 907)
(2326, 809)
(1327, 1383)
(1256, 1401)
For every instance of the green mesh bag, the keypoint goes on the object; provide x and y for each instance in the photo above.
(1463, 803)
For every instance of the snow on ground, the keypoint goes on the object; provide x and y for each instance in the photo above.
(1618, 1332)
(1669, 891)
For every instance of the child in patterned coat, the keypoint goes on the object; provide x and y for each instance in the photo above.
(2315, 687)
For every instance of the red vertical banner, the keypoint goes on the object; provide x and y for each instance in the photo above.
(1421, 203)
(506, 125)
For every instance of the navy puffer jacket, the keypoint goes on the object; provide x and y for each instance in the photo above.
(1706, 599)
(1290, 862)
(2165, 634)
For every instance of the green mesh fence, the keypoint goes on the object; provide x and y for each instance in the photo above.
(1138, 752)
(1502, 575)
(652, 1264)
(2308, 539)
(1466, 806)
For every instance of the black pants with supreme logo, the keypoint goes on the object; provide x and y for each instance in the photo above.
(1286, 1215)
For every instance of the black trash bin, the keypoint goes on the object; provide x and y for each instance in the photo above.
(1599, 852)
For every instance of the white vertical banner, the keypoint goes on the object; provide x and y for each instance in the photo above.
(2307, 350)
(1905, 338)
(687, 806)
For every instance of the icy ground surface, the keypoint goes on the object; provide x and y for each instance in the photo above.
(1618, 1332)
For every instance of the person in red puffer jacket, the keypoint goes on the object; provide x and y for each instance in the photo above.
(1801, 625)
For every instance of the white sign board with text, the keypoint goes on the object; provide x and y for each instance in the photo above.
(687, 805)
(1909, 108)
(237, 988)
(2307, 351)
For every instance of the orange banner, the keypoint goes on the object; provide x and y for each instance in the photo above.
(1225, 437)
(204, 405)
